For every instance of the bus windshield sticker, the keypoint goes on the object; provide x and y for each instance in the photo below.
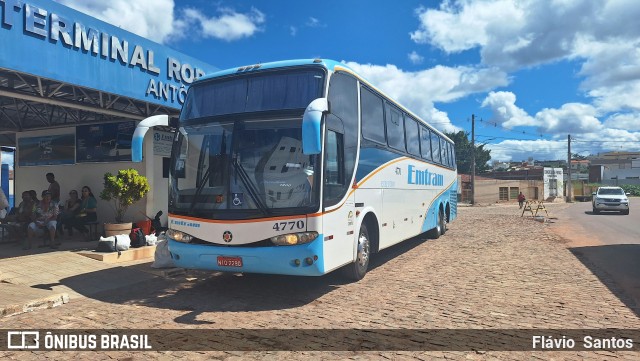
(237, 199)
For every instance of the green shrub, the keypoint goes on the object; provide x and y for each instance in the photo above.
(634, 190)
(124, 189)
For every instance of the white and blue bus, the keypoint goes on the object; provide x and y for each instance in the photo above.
(300, 167)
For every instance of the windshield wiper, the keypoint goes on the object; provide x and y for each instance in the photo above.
(250, 186)
(205, 179)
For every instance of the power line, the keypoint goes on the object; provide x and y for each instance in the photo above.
(606, 141)
(495, 125)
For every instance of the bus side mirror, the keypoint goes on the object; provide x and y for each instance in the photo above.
(311, 126)
(141, 130)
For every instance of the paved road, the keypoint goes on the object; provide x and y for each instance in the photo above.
(608, 243)
(607, 227)
(492, 270)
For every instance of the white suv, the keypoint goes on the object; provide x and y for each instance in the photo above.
(610, 199)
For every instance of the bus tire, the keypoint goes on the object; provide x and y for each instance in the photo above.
(356, 270)
(437, 231)
(443, 223)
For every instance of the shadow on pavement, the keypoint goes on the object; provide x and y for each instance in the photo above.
(13, 248)
(200, 292)
(604, 213)
(618, 268)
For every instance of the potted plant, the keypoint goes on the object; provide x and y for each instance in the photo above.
(123, 189)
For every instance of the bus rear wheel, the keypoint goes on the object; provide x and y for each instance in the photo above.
(356, 270)
(436, 232)
(443, 223)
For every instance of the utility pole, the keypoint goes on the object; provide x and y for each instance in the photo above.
(473, 159)
(569, 184)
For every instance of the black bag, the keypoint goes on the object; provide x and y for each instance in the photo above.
(106, 246)
(137, 238)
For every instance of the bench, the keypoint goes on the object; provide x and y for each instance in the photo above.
(93, 230)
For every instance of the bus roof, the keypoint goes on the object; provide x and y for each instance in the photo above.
(329, 64)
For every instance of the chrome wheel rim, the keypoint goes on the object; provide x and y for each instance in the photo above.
(363, 250)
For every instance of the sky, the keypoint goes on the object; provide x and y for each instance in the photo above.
(531, 72)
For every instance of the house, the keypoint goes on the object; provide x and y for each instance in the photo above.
(491, 190)
(615, 168)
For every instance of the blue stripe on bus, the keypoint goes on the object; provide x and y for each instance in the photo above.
(274, 260)
(432, 214)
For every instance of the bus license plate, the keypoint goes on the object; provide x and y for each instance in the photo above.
(229, 261)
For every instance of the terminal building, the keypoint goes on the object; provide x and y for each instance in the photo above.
(72, 89)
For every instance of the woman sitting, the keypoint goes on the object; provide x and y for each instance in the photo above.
(87, 213)
(45, 221)
(71, 210)
(21, 217)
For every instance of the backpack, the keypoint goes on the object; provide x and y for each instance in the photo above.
(137, 238)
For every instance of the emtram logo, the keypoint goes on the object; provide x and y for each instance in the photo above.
(424, 177)
(23, 340)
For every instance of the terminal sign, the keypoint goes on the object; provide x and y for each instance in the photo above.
(73, 35)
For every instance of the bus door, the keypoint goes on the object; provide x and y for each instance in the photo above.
(339, 214)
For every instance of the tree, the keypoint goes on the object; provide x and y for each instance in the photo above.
(464, 151)
(577, 156)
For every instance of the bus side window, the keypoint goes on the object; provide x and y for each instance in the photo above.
(435, 147)
(425, 143)
(395, 127)
(444, 151)
(453, 156)
(412, 134)
(372, 116)
(334, 180)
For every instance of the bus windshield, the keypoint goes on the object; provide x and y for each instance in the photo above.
(242, 169)
(263, 91)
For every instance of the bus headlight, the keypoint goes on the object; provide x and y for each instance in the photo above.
(294, 238)
(179, 236)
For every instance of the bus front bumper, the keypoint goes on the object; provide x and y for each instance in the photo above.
(299, 260)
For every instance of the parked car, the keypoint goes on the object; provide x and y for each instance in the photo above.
(610, 199)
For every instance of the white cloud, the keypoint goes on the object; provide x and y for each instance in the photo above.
(618, 132)
(293, 30)
(570, 118)
(229, 25)
(505, 111)
(518, 150)
(415, 58)
(628, 121)
(419, 90)
(158, 19)
(574, 118)
(602, 36)
(590, 143)
(314, 23)
(152, 19)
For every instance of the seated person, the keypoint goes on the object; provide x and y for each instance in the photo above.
(88, 209)
(4, 205)
(71, 210)
(22, 216)
(45, 220)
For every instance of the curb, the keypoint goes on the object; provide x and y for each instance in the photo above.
(36, 302)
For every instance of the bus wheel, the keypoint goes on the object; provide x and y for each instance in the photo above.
(436, 232)
(356, 270)
(443, 223)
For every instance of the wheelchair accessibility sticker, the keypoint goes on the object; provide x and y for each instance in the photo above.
(237, 199)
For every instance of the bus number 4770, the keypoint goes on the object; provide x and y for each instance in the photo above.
(284, 226)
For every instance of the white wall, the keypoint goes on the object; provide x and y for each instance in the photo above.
(76, 176)
(620, 173)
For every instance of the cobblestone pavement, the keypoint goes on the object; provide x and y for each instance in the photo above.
(493, 269)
